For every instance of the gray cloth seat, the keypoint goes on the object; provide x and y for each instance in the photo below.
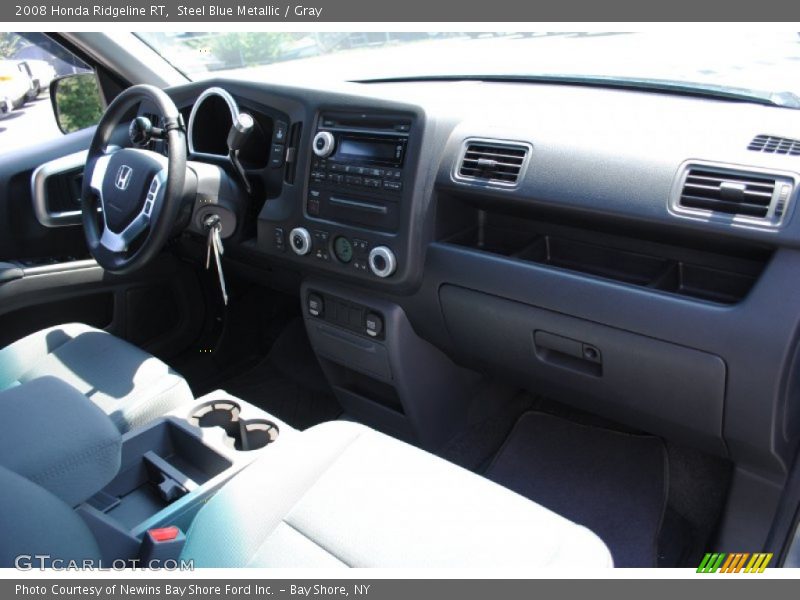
(129, 385)
(36, 522)
(343, 495)
(53, 435)
(336, 495)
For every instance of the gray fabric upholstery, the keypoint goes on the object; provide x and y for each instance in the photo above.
(129, 385)
(340, 494)
(36, 522)
(53, 435)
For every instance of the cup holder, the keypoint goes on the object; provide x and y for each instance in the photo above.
(241, 434)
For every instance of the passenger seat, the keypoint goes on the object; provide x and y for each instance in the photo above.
(337, 495)
(343, 495)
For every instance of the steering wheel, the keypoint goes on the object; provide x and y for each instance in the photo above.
(139, 192)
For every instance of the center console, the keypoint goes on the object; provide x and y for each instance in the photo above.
(358, 218)
(171, 467)
(353, 215)
(382, 373)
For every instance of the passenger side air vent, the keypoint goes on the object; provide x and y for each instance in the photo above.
(725, 194)
(775, 145)
(491, 162)
(731, 194)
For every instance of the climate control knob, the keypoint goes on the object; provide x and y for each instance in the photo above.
(323, 144)
(300, 241)
(382, 261)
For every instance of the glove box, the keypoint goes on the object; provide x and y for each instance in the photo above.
(649, 384)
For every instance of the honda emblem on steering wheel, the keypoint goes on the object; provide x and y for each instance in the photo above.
(123, 177)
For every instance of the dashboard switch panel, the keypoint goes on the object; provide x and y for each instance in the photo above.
(279, 239)
(354, 317)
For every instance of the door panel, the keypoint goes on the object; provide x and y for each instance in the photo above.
(22, 236)
(48, 278)
(160, 308)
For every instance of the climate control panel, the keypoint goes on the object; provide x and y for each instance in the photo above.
(350, 253)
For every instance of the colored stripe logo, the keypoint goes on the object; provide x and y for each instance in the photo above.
(737, 562)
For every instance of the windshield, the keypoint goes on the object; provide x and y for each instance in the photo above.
(763, 64)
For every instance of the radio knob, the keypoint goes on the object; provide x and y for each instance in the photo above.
(323, 144)
(300, 241)
(382, 261)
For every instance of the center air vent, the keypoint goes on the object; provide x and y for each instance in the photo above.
(723, 193)
(775, 145)
(494, 163)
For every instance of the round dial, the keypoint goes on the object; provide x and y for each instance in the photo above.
(343, 249)
(323, 144)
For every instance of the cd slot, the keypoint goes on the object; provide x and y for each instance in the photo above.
(359, 205)
(374, 213)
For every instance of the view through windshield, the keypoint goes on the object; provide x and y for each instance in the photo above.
(765, 62)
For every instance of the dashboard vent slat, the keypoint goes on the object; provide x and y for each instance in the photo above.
(729, 193)
(725, 206)
(493, 163)
(774, 144)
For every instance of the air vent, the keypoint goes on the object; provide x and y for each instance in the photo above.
(495, 163)
(720, 193)
(775, 145)
(727, 193)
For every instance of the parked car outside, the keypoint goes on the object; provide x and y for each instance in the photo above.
(17, 85)
(42, 73)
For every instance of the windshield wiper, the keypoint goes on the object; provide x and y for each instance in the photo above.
(781, 99)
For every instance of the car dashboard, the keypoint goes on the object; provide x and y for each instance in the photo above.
(633, 252)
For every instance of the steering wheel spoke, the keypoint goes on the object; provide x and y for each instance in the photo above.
(120, 241)
(99, 169)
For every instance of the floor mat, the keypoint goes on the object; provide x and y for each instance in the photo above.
(614, 483)
(288, 383)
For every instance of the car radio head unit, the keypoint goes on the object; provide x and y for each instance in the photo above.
(356, 174)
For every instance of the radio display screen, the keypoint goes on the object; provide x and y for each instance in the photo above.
(370, 150)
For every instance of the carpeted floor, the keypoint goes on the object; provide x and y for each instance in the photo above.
(288, 383)
(612, 482)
